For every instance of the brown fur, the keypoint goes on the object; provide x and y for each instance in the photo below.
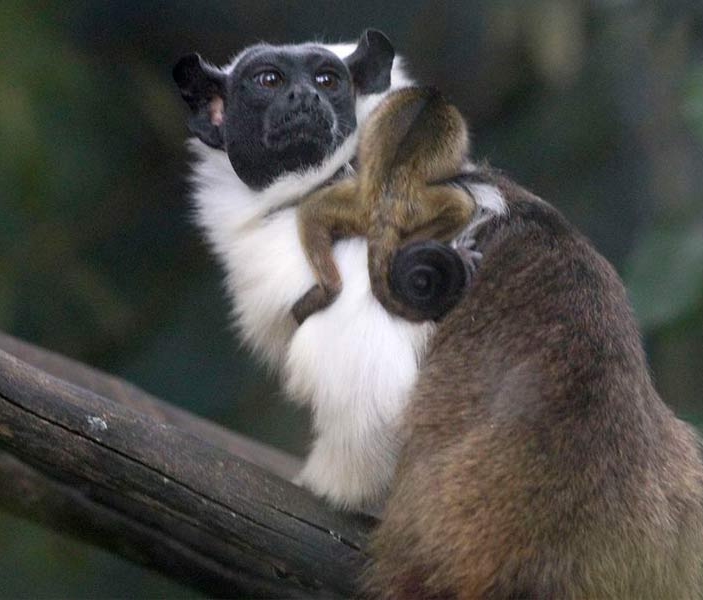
(413, 139)
(540, 461)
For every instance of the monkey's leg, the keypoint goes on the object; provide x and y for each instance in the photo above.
(426, 285)
(447, 210)
(324, 216)
(443, 212)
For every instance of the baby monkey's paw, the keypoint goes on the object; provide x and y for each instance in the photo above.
(316, 298)
(470, 255)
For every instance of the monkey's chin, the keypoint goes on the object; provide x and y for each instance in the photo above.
(293, 154)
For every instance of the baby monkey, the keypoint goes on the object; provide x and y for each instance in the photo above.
(411, 143)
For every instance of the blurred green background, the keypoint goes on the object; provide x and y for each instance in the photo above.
(597, 107)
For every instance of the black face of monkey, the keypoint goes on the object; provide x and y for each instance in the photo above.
(287, 109)
(282, 108)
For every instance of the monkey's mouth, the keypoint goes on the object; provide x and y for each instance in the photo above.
(299, 128)
(291, 141)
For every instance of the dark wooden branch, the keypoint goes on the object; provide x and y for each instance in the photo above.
(123, 392)
(100, 459)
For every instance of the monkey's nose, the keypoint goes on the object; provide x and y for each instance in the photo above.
(303, 98)
(297, 92)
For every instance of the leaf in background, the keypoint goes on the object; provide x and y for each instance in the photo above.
(665, 275)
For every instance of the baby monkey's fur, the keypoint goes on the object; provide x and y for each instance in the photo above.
(412, 142)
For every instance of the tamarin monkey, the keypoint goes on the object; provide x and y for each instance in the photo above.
(410, 143)
(539, 462)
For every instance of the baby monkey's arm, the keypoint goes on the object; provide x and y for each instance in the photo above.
(326, 215)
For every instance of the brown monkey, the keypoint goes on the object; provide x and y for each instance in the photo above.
(539, 460)
(413, 140)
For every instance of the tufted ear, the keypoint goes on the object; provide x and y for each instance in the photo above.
(203, 88)
(370, 64)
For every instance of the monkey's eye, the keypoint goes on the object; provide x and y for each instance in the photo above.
(269, 79)
(327, 79)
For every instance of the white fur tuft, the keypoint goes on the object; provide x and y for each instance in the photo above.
(488, 198)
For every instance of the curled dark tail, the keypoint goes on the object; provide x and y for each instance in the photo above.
(427, 278)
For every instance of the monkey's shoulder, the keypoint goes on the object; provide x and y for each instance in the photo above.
(526, 214)
(539, 273)
(532, 233)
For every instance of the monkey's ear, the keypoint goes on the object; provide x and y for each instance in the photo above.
(203, 88)
(370, 64)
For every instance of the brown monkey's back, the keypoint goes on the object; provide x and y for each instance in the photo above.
(540, 462)
(413, 138)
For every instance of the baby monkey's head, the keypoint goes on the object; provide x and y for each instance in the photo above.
(277, 109)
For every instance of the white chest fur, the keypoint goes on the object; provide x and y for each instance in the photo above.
(353, 363)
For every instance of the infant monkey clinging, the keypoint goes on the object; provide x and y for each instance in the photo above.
(411, 143)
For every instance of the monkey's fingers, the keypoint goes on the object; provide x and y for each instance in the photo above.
(466, 248)
(471, 257)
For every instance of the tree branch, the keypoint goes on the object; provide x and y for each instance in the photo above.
(138, 477)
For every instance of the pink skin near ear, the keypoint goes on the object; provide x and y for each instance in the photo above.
(217, 111)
